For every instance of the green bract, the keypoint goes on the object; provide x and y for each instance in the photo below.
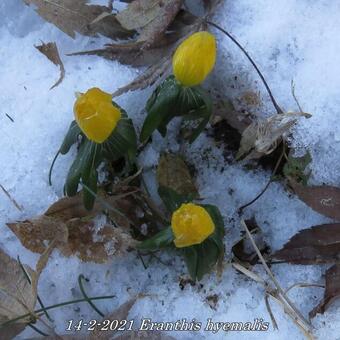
(122, 143)
(171, 99)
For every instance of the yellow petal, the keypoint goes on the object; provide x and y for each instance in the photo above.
(96, 115)
(194, 58)
(191, 224)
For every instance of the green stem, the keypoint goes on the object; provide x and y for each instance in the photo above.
(30, 282)
(80, 278)
(41, 310)
(277, 107)
(51, 168)
(37, 330)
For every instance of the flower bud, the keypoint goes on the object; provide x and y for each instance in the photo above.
(191, 224)
(194, 58)
(95, 114)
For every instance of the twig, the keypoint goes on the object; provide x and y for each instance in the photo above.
(294, 311)
(249, 273)
(9, 117)
(270, 311)
(240, 210)
(277, 107)
(11, 198)
(294, 96)
(304, 285)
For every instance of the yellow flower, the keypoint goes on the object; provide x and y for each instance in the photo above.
(191, 224)
(96, 115)
(194, 58)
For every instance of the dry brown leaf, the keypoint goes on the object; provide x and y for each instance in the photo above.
(332, 291)
(50, 50)
(318, 244)
(134, 52)
(150, 17)
(261, 138)
(323, 199)
(173, 173)
(90, 244)
(71, 227)
(225, 110)
(17, 295)
(72, 16)
(146, 79)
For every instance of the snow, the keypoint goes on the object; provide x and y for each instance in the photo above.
(289, 39)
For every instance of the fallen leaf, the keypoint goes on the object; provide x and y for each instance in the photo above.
(17, 295)
(318, 244)
(149, 17)
(136, 54)
(146, 79)
(323, 199)
(50, 50)
(332, 291)
(225, 110)
(173, 173)
(76, 16)
(71, 226)
(261, 137)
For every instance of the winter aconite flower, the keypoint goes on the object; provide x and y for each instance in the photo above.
(191, 224)
(95, 114)
(194, 58)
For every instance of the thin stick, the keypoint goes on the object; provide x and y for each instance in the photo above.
(11, 198)
(294, 96)
(270, 312)
(277, 107)
(240, 210)
(304, 285)
(271, 275)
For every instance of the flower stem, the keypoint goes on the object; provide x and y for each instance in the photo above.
(277, 107)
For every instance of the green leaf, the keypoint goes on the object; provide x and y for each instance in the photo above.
(161, 108)
(169, 100)
(121, 142)
(84, 167)
(217, 218)
(201, 258)
(70, 138)
(162, 239)
(199, 105)
(296, 166)
(172, 200)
